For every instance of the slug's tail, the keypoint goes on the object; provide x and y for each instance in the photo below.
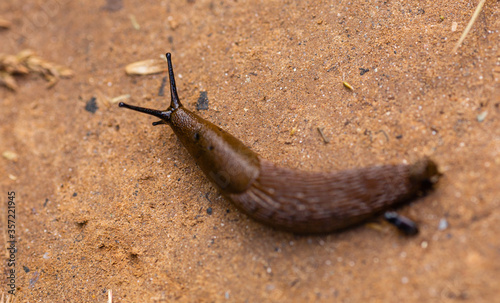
(424, 174)
(307, 202)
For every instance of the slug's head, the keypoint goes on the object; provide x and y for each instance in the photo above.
(174, 104)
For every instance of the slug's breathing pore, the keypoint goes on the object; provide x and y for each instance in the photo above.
(293, 200)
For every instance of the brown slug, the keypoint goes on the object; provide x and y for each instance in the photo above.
(293, 200)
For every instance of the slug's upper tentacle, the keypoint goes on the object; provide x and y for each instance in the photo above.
(175, 102)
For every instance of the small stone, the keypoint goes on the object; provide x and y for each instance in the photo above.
(443, 224)
(482, 116)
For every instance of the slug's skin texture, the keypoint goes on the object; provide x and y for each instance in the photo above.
(315, 202)
(296, 201)
(225, 160)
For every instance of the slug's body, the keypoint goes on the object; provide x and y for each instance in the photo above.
(297, 201)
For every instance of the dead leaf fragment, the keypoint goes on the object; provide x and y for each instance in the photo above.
(146, 67)
(120, 98)
(12, 65)
(10, 155)
(26, 62)
(9, 81)
(5, 23)
(172, 23)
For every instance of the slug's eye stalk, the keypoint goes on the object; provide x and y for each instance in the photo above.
(174, 104)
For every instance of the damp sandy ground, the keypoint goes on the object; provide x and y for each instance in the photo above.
(104, 201)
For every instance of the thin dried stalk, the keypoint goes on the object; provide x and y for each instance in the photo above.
(469, 26)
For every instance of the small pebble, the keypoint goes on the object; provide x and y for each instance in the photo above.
(91, 105)
(482, 116)
(202, 103)
(443, 224)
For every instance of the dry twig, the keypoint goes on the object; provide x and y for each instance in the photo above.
(469, 26)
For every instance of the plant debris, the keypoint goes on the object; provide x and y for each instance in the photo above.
(469, 26)
(26, 62)
(10, 155)
(325, 139)
(120, 98)
(146, 67)
(4, 24)
(134, 22)
(347, 85)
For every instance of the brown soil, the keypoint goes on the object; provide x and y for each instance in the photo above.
(105, 201)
